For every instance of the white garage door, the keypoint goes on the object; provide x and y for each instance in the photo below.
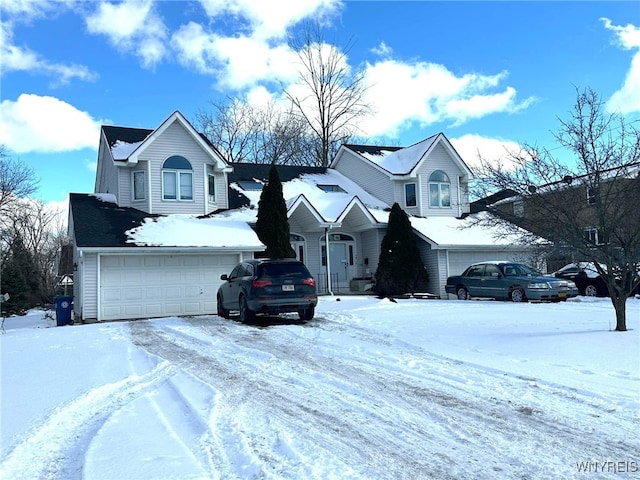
(139, 286)
(459, 261)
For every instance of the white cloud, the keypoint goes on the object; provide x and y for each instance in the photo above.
(627, 99)
(132, 26)
(238, 62)
(271, 19)
(15, 58)
(426, 93)
(472, 147)
(383, 50)
(35, 123)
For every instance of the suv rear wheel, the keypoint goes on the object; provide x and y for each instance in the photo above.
(306, 313)
(246, 315)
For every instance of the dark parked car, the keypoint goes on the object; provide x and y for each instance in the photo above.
(267, 286)
(586, 278)
(508, 281)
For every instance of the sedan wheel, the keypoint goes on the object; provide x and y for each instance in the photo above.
(590, 290)
(463, 294)
(517, 295)
(246, 315)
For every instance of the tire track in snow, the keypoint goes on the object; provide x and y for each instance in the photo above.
(478, 428)
(291, 405)
(46, 451)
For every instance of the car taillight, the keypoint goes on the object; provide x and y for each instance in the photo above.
(260, 283)
(309, 281)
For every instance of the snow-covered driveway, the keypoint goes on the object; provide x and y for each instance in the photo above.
(369, 389)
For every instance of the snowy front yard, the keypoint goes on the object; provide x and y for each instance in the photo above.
(368, 389)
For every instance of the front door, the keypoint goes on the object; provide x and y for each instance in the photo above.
(341, 258)
(339, 264)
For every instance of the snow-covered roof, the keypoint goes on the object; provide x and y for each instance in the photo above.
(454, 232)
(329, 205)
(191, 231)
(121, 150)
(405, 159)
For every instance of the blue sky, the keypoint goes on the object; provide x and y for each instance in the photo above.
(486, 74)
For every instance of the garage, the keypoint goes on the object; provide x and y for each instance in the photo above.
(141, 286)
(460, 260)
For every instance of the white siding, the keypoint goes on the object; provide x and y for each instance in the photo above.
(86, 307)
(371, 179)
(107, 171)
(439, 159)
(175, 140)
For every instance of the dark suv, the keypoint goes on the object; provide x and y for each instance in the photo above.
(268, 287)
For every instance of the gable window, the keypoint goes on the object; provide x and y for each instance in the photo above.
(439, 190)
(410, 194)
(139, 185)
(177, 179)
(211, 188)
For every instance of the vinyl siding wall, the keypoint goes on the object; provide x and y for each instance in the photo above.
(371, 179)
(439, 159)
(107, 174)
(175, 140)
(85, 304)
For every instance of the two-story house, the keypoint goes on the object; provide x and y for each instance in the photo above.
(169, 215)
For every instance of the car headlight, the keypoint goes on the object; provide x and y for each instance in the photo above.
(541, 285)
(571, 284)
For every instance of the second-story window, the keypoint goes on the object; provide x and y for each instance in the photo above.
(139, 185)
(439, 190)
(177, 179)
(410, 194)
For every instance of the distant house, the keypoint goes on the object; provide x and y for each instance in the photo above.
(169, 215)
(596, 210)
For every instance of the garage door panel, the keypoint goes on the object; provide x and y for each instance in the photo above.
(135, 286)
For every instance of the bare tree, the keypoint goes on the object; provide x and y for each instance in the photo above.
(16, 181)
(284, 138)
(39, 230)
(587, 209)
(332, 96)
(266, 135)
(232, 126)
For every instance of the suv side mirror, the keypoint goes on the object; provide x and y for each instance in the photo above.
(224, 276)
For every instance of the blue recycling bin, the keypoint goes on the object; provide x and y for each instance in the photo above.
(64, 305)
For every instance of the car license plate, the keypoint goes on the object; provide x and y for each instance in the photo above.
(562, 294)
(288, 288)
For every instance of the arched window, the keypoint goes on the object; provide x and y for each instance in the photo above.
(177, 179)
(439, 190)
